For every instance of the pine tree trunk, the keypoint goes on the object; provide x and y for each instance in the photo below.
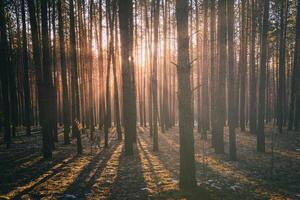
(126, 32)
(4, 75)
(66, 110)
(262, 82)
(154, 76)
(26, 73)
(213, 70)
(204, 82)
(47, 83)
(187, 157)
(101, 69)
(74, 72)
(253, 71)
(220, 105)
(297, 69)
(243, 64)
(231, 81)
(54, 90)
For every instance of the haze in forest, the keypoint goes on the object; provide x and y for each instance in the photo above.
(149, 99)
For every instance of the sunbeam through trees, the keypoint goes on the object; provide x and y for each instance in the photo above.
(149, 99)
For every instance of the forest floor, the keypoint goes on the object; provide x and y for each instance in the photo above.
(108, 174)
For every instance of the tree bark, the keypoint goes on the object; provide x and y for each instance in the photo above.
(262, 83)
(4, 75)
(26, 73)
(66, 108)
(129, 112)
(231, 81)
(187, 157)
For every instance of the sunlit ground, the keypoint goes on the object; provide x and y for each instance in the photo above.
(109, 174)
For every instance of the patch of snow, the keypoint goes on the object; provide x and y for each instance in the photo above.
(235, 187)
(71, 196)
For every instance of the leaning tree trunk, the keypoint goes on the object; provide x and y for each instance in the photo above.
(187, 156)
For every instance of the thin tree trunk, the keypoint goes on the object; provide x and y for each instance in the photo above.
(253, 71)
(262, 82)
(154, 76)
(204, 74)
(231, 81)
(213, 70)
(243, 63)
(66, 108)
(26, 73)
(74, 73)
(297, 68)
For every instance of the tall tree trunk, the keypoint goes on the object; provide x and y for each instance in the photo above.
(101, 71)
(282, 71)
(187, 157)
(231, 81)
(213, 69)
(47, 83)
(37, 62)
(26, 74)
(154, 76)
(199, 54)
(221, 108)
(4, 75)
(262, 82)
(243, 63)
(126, 32)
(165, 95)
(107, 120)
(66, 111)
(297, 68)
(204, 74)
(55, 82)
(74, 68)
(253, 71)
(74, 72)
(112, 21)
(90, 72)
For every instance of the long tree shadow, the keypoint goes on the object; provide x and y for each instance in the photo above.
(85, 180)
(130, 182)
(219, 172)
(198, 193)
(21, 174)
(52, 173)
